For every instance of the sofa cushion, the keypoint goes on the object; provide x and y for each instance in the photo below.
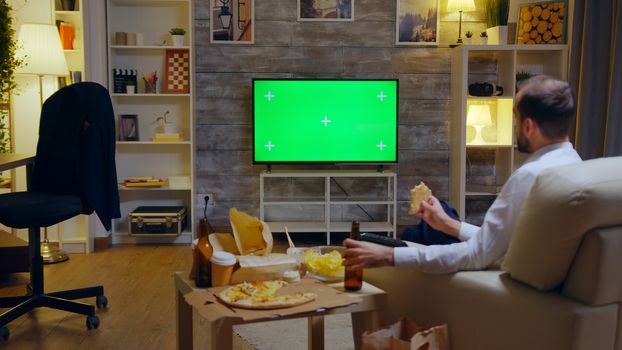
(594, 277)
(564, 203)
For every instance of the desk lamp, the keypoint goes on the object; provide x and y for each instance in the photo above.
(478, 117)
(41, 50)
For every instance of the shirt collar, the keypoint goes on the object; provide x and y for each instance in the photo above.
(548, 148)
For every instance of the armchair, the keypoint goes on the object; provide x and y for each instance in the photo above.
(542, 300)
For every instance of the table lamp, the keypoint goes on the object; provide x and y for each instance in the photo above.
(478, 117)
(40, 48)
(460, 6)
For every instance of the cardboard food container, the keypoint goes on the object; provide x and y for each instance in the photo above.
(213, 309)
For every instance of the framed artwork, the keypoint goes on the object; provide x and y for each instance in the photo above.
(232, 21)
(542, 23)
(177, 71)
(326, 10)
(128, 127)
(417, 22)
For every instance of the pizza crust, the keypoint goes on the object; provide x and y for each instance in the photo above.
(261, 295)
(418, 194)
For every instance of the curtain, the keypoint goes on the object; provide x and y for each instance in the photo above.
(596, 75)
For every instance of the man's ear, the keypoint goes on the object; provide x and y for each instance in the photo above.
(529, 126)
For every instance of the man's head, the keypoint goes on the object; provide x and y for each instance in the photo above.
(544, 109)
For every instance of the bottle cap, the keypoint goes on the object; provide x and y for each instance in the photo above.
(223, 258)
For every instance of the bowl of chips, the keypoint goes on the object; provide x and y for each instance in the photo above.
(324, 263)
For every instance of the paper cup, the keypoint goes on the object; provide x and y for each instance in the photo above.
(222, 268)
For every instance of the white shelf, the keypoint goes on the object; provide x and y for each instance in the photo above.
(149, 2)
(509, 59)
(163, 188)
(143, 143)
(150, 95)
(148, 47)
(327, 201)
(76, 13)
(153, 19)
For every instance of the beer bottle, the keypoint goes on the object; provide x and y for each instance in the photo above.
(353, 279)
(203, 252)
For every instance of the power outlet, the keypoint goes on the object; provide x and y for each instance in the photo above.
(211, 201)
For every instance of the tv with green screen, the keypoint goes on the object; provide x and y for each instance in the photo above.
(324, 121)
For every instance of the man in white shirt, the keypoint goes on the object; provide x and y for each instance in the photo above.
(543, 110)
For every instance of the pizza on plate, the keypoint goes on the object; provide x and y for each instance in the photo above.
(418, 194)
(262, 295)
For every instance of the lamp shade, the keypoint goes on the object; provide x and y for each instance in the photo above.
(460, 5)
(479, 115)
(39, 46)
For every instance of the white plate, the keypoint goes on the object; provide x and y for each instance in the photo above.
(323, 278)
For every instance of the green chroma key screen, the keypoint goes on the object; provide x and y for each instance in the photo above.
(333, 121)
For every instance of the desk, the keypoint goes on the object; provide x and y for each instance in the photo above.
(194, 332)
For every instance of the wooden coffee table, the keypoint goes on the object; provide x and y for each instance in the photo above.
(195, 332)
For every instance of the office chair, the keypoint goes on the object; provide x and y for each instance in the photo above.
(74, 173)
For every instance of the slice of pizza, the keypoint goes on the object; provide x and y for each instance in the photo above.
(262, 295)
(418, 194)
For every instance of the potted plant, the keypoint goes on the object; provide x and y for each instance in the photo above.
(177, 35)
(8, 64)
(520, 76)
(469, 37)
(483, 36)
(497, 21)
(164, 124)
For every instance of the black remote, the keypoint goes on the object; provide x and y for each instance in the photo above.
(380, 239)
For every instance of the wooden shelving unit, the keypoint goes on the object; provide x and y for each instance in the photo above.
(499, 137)
(145, 157)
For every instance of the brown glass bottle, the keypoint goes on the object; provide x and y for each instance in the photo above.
(203, 252)
(353, 279)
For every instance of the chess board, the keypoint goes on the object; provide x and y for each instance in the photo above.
(177, 71)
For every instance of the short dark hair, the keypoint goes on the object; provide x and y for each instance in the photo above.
(550, 102)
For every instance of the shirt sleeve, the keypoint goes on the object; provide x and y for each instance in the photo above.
(484, 245)
(467, 231)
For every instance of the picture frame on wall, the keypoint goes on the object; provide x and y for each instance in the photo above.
(417, 22)
(233, 21)
(128, 127)
(326, 10)
(543, 22)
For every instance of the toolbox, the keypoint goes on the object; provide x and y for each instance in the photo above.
(170, 221)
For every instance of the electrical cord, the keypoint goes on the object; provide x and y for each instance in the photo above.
(209, 226)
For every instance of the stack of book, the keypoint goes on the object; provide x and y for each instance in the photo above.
(167, 137)
(143, 181)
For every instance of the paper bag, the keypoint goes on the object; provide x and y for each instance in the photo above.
(406, 335)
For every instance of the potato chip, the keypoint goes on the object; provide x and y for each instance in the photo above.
(327, 265)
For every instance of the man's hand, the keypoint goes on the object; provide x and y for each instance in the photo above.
(432, 212)
(360, 255)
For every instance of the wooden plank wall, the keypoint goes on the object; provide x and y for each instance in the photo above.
(286, 48)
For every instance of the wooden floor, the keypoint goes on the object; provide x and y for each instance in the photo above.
(138, 283)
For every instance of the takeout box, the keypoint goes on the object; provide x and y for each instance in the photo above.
(267, 267)
(213, 309)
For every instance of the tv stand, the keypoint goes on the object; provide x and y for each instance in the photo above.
(309, 201)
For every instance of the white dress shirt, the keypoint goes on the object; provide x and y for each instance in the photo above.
(481, 246)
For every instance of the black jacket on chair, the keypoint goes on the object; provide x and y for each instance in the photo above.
(76, 149)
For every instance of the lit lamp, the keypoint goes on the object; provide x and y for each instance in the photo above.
(225, 15)
(478, 117)
(40, 48)
(460, 6)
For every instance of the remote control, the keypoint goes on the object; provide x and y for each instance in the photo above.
(380, 239)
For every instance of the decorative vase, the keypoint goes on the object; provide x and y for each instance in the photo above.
(497, 35)
(68, 5)
(178, 40)
(484, 40)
